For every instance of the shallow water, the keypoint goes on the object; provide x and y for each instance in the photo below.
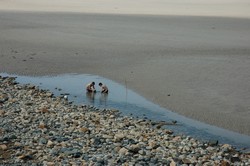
(131, 104)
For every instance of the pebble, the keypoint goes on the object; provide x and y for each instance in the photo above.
(3, 147)
(38, 128)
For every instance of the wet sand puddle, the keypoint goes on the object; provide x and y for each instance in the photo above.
(131, 104)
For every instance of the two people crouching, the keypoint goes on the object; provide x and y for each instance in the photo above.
(91, 87)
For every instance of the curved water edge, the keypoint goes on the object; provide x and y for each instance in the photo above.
(130, 103)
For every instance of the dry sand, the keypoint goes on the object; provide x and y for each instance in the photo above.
(197, 66)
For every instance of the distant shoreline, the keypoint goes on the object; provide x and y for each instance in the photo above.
(214, 8)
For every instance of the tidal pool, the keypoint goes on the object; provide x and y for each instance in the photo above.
(131, 104)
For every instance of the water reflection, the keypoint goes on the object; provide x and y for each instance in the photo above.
(128, 102)
(91, 97)
(97, 98)
(103, 99)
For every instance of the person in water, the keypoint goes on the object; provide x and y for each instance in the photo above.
(104, 88)
(91, 87)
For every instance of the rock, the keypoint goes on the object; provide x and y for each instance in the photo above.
(234, 158)
(77, 154)
(44, 110)
(153, 144)
(134, 148)
(50, 143)
(2, 112)
(13, 137)
(172, 163)
(226, 148)
(42, 126)
(3, 147)
(213, 142)
(43, 141)
(119, 137)
(186, 161)
(225, 163)
(85, 130)
(29, 103)
(169, 132)
(96, 141)
(108, 136)
(142, 152)
(50, 163)
(26, 157)
(123, 151)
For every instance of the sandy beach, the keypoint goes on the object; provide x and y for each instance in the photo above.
(194, 60)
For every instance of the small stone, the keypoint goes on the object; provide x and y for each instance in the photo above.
(142, 152)
(213, 142)
(43, 141)
(225, 163)
(108, 136)
(177, 138)
(77, 154)
(84, 129)
(50, 163)
(123, 151)
(186, 161)
(169, 132)
(44, 110)
(29, 103)
(119, 137)
(234, 158)
(134, 148)
(42, 126)
(3, 147)
(50, 143)
(13, 137)
(2, 112)
(26, 157)
(172, 163)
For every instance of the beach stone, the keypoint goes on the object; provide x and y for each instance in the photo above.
(234, 158)
(134, 148)
(108, 136)
(49, 163)
(54, 152)
(186, 161)
(123, 151)
(142, 152)
(26, 157)
(43, 141)
(213, 142)
(172, 163)
(225, 163)
(119, 137)
(3, 147)
(77, 154)
(50, 143)
(2, 112)
(96, 141)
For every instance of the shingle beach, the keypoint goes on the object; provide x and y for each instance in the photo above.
(37, 128)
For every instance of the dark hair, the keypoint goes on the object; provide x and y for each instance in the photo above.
(93, 83)
(100, 84)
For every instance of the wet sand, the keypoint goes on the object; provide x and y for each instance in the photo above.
(197, 66)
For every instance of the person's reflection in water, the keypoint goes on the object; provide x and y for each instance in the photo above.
(91, 97)
(103, 99)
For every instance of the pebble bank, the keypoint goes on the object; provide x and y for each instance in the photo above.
(38, 128)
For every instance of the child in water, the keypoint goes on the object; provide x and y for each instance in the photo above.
(104, 88)
(91, 87)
